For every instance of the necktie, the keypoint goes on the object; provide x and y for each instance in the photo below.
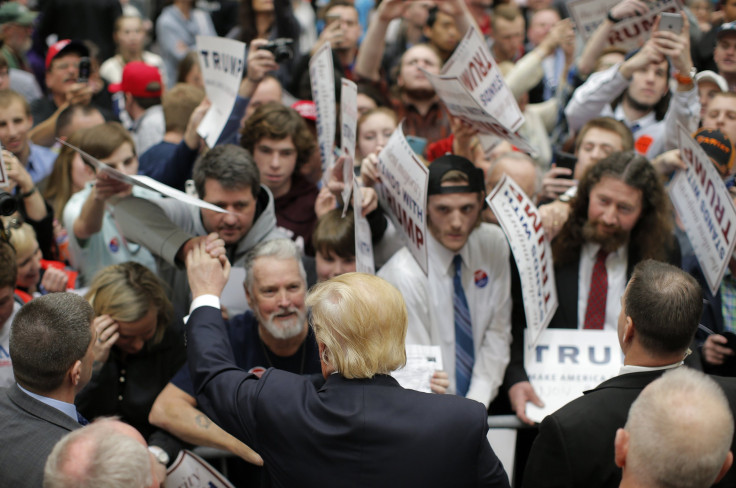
(595, 313)
(464, 355)
(81, 419)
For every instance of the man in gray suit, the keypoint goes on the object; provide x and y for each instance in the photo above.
(51, 347)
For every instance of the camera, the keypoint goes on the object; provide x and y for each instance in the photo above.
(281, 48)
(8, 203)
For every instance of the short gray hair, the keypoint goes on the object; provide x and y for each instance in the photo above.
(98, 455)
(680, 431)
(276, 248)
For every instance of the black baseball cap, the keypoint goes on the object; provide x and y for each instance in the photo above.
(451, 162)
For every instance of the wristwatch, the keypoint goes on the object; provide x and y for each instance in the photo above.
(159, 454)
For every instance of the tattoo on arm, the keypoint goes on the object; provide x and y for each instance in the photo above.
(203, 421)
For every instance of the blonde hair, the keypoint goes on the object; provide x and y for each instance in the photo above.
(362, 320)
(59, 189)
(126, 292)
(22, 238)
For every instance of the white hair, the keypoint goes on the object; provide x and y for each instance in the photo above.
(680, 431)
(98, 455)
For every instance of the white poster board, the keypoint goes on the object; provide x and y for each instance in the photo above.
(349, 122)
(364, 262)
(143, 181)
(403, 193)
(461, 104)
(191, 471)
(705, 208)
(629, 33)
(566, 362)
(522, 224)
(222, 62)
(322, 79)
(473, 64)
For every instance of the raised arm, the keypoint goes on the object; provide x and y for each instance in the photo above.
(176, 412)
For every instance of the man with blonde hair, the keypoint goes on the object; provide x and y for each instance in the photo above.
(361, 428)
(678, 433)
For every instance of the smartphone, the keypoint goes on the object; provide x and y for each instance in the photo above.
(84, 69)
(565, 160)
(670, 22)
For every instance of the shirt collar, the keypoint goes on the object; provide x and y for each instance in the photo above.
(64, 407)
(631, 368)
(441, 257)
(590, 249)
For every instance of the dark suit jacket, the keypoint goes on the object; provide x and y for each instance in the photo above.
(575, 445)
(357, 433)
(29, 429)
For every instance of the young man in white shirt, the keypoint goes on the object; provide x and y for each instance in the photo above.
(459, 246)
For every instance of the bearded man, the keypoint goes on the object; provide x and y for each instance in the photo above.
(272, 334)
(620, 216)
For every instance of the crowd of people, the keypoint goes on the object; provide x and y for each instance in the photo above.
(165, 325)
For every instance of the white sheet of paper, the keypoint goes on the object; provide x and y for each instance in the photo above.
(349, 121)
(421, 363)
(403, 193)
(567, 362)
(627, 34)
(473, 65)
(322, 79)
(222, 62)
(143, 181)
(522, 224)
(191, 471)
(705, 208)
(364, 262)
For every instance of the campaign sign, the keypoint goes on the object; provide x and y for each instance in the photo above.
(522, 224)
(403, 193)
(629, 33)
(191, 471)
(142, 181)
(566, 362)
(364, 262)
(473, 64)
(705, 208)
(349, 122)
(322, 78)
(222, 62)
(461, 103)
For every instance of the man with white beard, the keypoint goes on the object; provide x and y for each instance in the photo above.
(272, 334)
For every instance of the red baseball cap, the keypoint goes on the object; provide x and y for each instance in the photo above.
(64, 46)
(307, 109)
(137, 78)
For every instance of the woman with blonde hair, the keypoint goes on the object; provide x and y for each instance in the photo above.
(138, 346)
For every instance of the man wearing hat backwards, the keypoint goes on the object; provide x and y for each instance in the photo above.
(142, 88)
(464, 304)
